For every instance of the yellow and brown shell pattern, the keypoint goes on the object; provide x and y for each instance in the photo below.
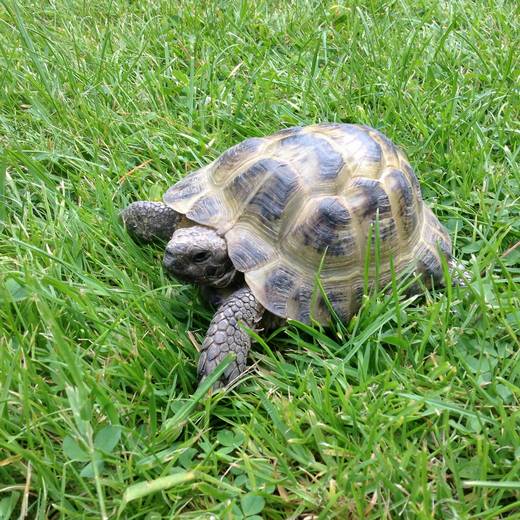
(329, 202)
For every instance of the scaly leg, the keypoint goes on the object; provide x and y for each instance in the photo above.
(147, 221)
(225, 335)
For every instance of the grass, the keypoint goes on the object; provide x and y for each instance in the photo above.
(410, 411)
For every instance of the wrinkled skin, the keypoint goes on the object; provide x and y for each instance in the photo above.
(198, 255)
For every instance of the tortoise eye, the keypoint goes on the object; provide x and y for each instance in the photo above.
(200, 256)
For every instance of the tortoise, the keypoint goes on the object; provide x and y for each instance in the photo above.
(272, 216)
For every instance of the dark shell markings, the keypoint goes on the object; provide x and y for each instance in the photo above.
(302, 202)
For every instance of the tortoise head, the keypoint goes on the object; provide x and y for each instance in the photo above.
(197, 254)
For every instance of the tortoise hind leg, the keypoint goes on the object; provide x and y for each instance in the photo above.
(430, 267)
(148, 221)
(225, 335)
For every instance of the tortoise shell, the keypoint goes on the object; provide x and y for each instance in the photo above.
(327, 203)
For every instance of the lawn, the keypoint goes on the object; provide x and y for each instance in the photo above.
(411, 410)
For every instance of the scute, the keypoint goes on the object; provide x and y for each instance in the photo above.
(405, 206)
(389, 155)
(248, 249)
(247, 181)
(229, 161)
(322, 229)
(362, 153)
(370, 205)
(280, 283)
(369, 199)
(269, 201)
(311, 154)
(182, 195)
(305, 209)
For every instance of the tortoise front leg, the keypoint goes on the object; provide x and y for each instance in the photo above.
(225, 335)
(147, 221)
